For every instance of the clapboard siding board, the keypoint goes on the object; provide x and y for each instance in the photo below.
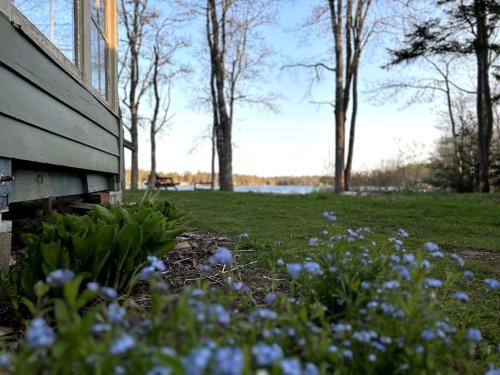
(31, 105)
(27, 60)
(25, 142)
(39, 184)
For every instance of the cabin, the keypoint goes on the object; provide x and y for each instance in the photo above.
(60, 130)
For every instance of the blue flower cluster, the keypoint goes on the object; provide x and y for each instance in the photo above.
(40, 334)
(349, 305)
(222, 256)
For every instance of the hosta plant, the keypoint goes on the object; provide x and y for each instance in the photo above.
(107, 245)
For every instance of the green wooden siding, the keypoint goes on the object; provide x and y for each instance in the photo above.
(46, 115)
(25, 142)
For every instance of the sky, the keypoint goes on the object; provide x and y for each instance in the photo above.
(299, 140)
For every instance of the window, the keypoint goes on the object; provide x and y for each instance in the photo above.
(55, 19)
(84, 34)
(99, 47)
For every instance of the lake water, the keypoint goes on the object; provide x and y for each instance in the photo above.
(288, 189)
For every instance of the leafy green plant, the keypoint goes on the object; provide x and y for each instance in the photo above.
(108, 245)
(349, 307)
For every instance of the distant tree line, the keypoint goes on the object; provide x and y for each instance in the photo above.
(199, 177)
(389, 174)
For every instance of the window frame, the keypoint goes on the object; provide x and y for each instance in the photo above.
(81, 69)
(101, 31)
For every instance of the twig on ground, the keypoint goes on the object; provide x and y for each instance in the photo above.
(235, 268)
(182, 260)
(272, 278)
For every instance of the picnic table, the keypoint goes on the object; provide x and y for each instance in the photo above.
(165, 182)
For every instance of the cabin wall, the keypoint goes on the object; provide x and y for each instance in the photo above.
(50, 119)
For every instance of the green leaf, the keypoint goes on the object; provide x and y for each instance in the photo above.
(64, 259)
(125, 215)
(30, 240)
(71, 289)
(28, 280)
(129, 240)
(41, 289)
(104, 214)
(173, 233)
(105, 244)
(161, 248)
(85, 297)
(51, 253)
(30, 305)
(82, 249)
(61, 311)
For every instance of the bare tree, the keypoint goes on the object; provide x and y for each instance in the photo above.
(135, 16)
(237, 55)
(351, 30)
(439, 80)
(164, 70)
(158, 121)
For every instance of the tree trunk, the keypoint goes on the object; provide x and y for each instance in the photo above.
(225, 164)
(458, 159)
(212, 175)
(134, 118)
(223, 131)
(152, 173)
(337, 25)
(134, 139)
(484, 103)
(350, 152)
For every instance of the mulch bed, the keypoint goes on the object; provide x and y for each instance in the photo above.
(183, 269)
(194, 248)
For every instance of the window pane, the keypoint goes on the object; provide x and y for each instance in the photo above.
(55, 19)
(98, 60)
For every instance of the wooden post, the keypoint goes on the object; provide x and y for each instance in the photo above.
(5, 242)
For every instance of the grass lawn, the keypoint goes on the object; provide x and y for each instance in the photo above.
(466, 224)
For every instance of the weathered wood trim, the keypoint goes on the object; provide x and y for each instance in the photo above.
(96, 182)
(5, 7)
(80, 39)
(5, 225)
(5, 251)
(111, 31)
(5, 188)
(41, 110)
(39, 183)
(121, 177)
(129, 145)
(86, 47)
(25, 142)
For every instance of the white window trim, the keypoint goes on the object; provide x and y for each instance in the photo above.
(81, 70)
